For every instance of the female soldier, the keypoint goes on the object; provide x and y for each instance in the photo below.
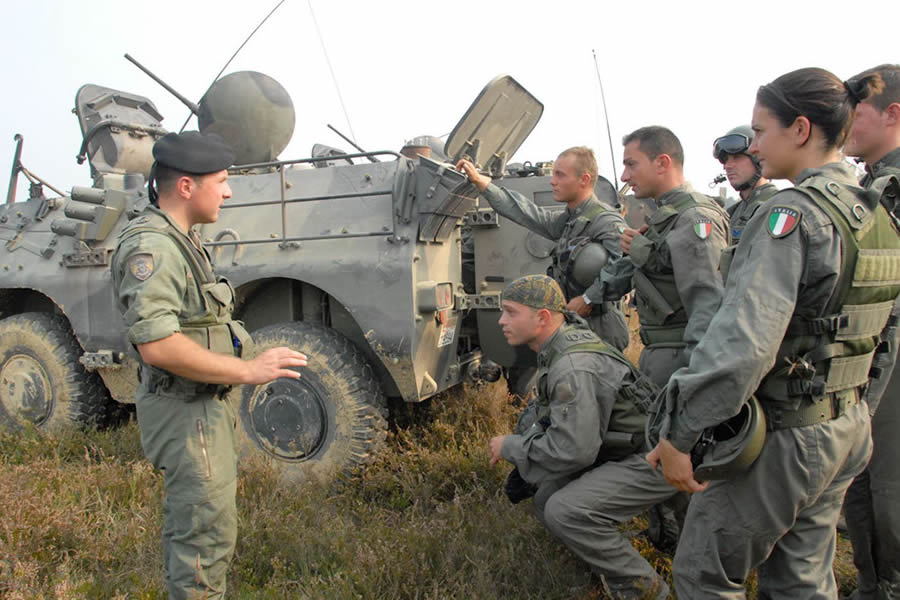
(810, 289)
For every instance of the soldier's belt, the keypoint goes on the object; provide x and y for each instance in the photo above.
(662, 334)
(829, 407)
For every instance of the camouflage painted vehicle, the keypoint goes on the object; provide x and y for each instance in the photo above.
(353, 259)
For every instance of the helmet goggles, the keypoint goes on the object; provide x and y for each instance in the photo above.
(733, 143)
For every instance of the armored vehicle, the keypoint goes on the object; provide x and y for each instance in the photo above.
(352, 258)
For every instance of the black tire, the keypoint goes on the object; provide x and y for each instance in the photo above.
(329, 422)
(520, 381)
(41, 380)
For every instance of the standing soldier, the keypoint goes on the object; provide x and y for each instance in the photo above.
(178, 317)
(586, 233)
(744, 173)
(811, 288)
(673, 266)
(673, 262)
(872, 505)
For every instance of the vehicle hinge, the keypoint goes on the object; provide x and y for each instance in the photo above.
(488, 301)
(101, 359)
(482, 217)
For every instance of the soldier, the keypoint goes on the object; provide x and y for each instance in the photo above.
(744, 173)
(586, 234)
(673, 266)
(581, 441)
(673, 262)
(178, 317)
(811, 287)
(872, 505)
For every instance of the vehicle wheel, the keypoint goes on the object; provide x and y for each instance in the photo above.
(520, 381)
(41, 380)
(328, 422)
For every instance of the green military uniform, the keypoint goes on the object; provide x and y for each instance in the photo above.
(593, 221)
(798, 328)
(166, 285)
(872, 505)
(584, 449)
(740, 212)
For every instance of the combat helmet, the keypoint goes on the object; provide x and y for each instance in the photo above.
(586, 261)
(724, 450)
(737, 141)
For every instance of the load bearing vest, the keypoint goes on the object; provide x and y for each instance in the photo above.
(627, 423)
(212, 327)
(831, 354)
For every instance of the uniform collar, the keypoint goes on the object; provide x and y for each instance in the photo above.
(891, 159)
(671, 195)
(760, 189)
(543, 354)
(841, 172)
(578, 210)
(190, 235)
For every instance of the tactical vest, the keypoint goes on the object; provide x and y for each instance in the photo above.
(662, 313)
(213, 328)
(571, 240)
(627, 422)
(824, 361)
(758, 197)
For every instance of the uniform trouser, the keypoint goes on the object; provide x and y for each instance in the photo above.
(584, 513)
(779, 516)
(193, 443)
(658, 362)
(872, 506)
(608, 322)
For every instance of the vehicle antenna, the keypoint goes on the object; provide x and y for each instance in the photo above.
(612, 155)
(241, 47)
(331, 69)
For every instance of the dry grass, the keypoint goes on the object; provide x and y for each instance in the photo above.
(81, 518)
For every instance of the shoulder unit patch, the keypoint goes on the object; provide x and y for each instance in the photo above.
(141, 266)
(703, 227)
(782, 220)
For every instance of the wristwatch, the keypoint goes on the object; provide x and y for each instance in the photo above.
(586, 299)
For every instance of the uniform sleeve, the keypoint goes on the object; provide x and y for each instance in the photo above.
(581, 403)
(745, 334)
(608, 233)
(519, 209)
(614, 280)
(150, 303)
(695, 262)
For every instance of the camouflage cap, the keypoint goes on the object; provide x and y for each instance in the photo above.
(536, 291)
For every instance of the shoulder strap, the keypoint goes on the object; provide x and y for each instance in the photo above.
(202, 271)
(839, 202)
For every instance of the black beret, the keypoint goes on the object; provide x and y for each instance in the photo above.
(193, 152)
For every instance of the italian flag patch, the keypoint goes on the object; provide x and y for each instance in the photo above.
(782, 221)
(703, 227)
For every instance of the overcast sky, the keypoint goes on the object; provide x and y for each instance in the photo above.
(407, 68)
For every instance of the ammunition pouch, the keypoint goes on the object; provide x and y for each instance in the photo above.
(159, 381)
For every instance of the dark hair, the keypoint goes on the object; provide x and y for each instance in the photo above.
(585, 161)
(819, 96)
(166, 177)
(654, 140)
(890, 86)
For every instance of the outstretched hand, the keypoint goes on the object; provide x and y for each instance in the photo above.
(478, 180)
(274, 363)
